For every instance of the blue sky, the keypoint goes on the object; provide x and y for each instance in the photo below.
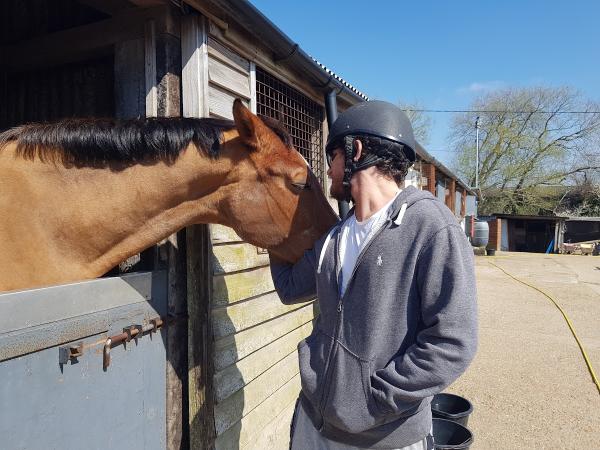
(443, 53)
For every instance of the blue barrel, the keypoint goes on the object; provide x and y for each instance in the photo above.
(481, 234)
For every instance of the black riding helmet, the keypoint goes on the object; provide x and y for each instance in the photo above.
(375, 118)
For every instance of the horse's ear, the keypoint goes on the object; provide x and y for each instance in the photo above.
(246, 123)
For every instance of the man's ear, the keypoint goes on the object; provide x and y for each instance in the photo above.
(247, 124)
(358, 147)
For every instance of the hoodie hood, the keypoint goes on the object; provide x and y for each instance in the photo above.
(405, 199)
(409, 196)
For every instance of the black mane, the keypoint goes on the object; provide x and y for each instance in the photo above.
(101, 142)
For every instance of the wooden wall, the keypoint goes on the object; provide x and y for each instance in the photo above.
(256, 379)
(250, 380)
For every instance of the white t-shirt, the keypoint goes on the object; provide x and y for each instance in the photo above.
(353, 237)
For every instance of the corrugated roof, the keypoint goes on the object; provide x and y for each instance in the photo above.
(341, 80)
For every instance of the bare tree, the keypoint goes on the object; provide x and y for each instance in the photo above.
(420, 121)
(529, 138)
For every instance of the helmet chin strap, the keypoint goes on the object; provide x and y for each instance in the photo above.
(350, 166)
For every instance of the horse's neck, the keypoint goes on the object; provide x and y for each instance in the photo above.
(83, 221)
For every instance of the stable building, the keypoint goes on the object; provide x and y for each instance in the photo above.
(224, 372)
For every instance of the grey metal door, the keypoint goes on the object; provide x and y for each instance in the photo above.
(57, 388)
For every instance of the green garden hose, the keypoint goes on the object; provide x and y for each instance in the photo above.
(583, 352)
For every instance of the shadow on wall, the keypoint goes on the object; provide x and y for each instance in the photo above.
(216, 406)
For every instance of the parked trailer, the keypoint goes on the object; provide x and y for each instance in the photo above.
(58, 388)
(583, 248)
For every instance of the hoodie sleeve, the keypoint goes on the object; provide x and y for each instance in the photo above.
(295, 283)
(447, 341)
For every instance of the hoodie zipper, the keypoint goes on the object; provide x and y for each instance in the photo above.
(338, 321)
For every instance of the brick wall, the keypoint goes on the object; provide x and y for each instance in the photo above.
(495, 234)
(428, 171)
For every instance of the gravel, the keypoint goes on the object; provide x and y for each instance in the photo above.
(529, 383)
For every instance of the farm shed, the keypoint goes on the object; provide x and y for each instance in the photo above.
(521, 233)
(224, 372)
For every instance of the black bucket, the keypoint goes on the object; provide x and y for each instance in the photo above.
(448, 435)
(451, 407)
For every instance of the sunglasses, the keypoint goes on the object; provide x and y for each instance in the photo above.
(330, 156)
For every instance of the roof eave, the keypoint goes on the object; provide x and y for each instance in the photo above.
(285, 50)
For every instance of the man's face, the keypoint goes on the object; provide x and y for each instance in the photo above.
(336, 173)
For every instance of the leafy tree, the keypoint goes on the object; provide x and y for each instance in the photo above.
(530, 140)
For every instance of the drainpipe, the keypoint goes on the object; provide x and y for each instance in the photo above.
(331, 111)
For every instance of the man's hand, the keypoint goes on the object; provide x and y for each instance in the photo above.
(275, 259)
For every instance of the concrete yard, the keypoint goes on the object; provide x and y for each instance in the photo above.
(529, 383)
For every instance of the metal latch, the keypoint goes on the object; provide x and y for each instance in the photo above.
(70, 353)
(129, 333)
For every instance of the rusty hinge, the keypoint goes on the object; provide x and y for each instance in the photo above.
(129, 333)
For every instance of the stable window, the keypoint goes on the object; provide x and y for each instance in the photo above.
(302, 117)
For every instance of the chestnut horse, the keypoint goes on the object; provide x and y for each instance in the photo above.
(79, 196)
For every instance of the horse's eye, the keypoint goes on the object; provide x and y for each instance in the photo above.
(301, 186)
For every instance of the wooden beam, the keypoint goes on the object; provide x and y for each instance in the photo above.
(162, 70)
(150, 71)
(177, 351)
(194, 61)
(79, 43)
(200, 341)
(168, 74)
(205, 9)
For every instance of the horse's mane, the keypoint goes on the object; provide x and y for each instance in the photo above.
(94, 141)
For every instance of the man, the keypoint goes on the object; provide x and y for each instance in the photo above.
(396, 289)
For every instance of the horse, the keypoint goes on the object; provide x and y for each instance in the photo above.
(79, 196)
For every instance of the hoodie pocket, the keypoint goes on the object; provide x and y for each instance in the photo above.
(349, 404)
(312, 354)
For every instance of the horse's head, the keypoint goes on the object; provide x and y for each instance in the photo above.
(275, 202)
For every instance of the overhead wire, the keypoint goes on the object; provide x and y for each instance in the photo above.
(497, 111)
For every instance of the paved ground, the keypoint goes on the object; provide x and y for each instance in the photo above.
(529, 383)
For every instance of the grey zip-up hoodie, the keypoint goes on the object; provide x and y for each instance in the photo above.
(405, 328)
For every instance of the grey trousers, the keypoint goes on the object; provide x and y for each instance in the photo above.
(304, 436)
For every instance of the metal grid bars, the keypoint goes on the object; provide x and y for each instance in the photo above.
(302, 117)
